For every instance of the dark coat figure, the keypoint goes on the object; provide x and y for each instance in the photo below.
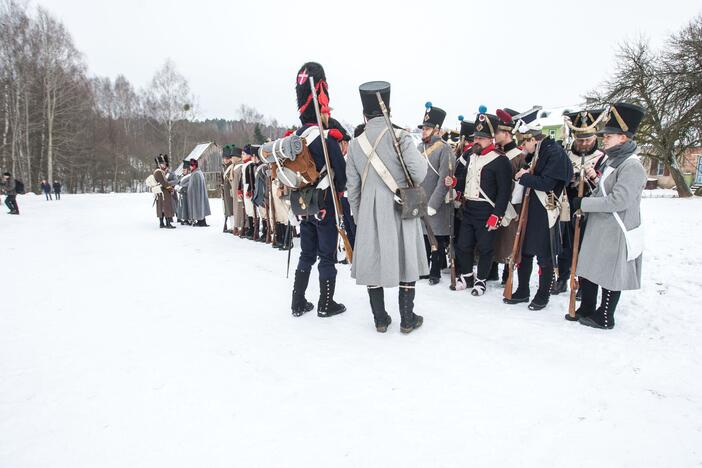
(318, 234)
(57, 189)
(551, 172)
(9, 188)
(46, 188)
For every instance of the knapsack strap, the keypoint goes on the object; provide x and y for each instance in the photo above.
(376, 162)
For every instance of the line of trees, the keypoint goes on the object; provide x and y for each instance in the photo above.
(94, 133)
(668, 84)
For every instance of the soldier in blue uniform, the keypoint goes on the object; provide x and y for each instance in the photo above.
(550, 172)
(318, 234)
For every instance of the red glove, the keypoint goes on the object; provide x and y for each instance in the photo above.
(249, 194)
(240, 194)
(459, 195)
(493, 222)
(322, 214)
(336, 134)
(455, 181)
(340, 195)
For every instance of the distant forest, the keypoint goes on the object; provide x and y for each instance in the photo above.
(91, 133)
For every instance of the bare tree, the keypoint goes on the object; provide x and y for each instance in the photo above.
(168, 99)
(667, 85)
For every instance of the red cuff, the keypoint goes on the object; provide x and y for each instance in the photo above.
(336, 134)
(455, 181)
(493, 221)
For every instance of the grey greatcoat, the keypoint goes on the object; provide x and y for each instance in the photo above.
(198, 203)
(434, 186)
(603, 254)
(172, 179)
(227, 198)
(388, 250)
(183, 211)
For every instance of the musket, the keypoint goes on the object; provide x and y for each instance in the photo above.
(516, 256)
(271, 211)
(574, 283)
(410, 183)
(452, 213)
(330, 175)
(285, 244)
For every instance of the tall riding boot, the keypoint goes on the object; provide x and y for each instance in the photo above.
(408, 319)
(278, 237)
(326, 307)
(380, 315)
(561, 284)
(160, 223)
(169, 224)
(588, 302)
(544, 293)
(603, 317)
(250, 229)
(264, 233)
(523, 276)
(287, 238)
(505, 274)
(300, 305)
(494, 274)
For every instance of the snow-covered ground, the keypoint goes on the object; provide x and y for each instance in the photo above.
(122, 345)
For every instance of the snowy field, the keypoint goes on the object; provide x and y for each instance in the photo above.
(122, 345)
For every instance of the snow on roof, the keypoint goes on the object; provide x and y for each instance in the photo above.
(200, 150)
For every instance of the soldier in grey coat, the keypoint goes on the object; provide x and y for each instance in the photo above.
(390, 250)
(436, 152)
(603, 260)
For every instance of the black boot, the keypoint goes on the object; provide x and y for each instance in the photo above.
(326, 307)
(160, 223)
(561, 285)
(409, 321)
(588, 290)
(544, 293)
(505, 274)
(250, 229)
(300, 305)
(494, 274)
(202, 223)
(523, 275)
(380, 315)
(277, 243)
(169, 224)
(603, 317)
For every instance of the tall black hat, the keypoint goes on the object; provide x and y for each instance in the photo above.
(161, 159)
(582, 123)
(623, 118)
(186, 164)
(485, 125)
(433, 116)
(467, 128)
(371, 107)
(226, 151)
(305, 102)
(234, 151)
(248, 149)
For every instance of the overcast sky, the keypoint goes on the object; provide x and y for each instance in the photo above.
(456, 54)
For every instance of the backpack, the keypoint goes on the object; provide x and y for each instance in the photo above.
(295, 173)
(19, 187)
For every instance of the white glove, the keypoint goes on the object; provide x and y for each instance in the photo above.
(431, 211)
